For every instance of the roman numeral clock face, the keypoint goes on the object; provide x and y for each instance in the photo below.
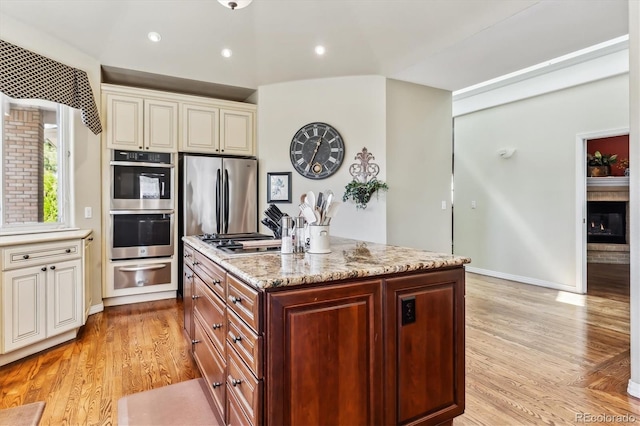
(316, 151)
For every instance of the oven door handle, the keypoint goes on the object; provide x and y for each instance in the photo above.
(141, 211)
(141, 268)
(133, 163)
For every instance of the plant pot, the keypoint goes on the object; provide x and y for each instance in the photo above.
(598, 171)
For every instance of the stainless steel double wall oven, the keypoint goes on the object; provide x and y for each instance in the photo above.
(142, 205)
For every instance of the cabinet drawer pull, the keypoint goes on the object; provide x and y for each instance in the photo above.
(235, 300)
(237, 339)
(90, 238)
(141, 268)
(187, 255)
(235, 382)
(189, 276)
(216, 282)
(68, 250)
(216, 385)
(195, 262)
(216, 326)
(25, 256)
(44, 268)
(52, 267)
(195, 296)
(194, 341)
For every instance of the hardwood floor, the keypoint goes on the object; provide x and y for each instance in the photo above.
(120, 351)
(540, 356)
(534, 356)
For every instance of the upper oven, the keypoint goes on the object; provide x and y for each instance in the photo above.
(141, 180)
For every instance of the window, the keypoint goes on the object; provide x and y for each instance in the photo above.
(34, 168)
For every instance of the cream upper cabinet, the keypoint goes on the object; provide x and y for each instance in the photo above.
(141, 119)
(137, 123)
(236, 132)
(200, 128)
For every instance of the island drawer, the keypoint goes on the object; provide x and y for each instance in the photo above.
(187, 256)
(244, 301)
(246, 343)
(36, 254)
(211, 311)
(210, 273)
(242, 385)
(212, 366)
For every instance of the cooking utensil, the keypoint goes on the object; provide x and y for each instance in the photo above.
(319, 201)
(331, 212)
(311, 199)
(308, 213)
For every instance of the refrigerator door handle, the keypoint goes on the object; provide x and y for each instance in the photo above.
(226, 201)
(218, 199)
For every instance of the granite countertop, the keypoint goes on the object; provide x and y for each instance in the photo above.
(348, 259)
(43, 237)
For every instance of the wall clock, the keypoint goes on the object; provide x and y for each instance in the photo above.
(316, 151)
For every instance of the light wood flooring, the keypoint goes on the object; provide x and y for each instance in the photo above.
(533, 356)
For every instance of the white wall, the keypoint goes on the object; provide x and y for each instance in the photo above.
(419, 149)
(86, 186)
(634, 193)
(355, 106)
(524, 225)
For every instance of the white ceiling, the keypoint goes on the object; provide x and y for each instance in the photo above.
(449, 44)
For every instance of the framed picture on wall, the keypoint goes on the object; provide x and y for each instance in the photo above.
(279, 187)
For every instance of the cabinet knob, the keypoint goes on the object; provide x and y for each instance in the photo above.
(235, 300)
(147, 147)
(235, 382)
(52, 267)
(68, 250)
(237, 339)
(194, 341)
(195, 296)
(216, 385)
(216, 326)
(25, 256)
(44, 268)
(139, 147)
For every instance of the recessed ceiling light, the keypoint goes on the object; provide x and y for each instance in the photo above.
(154, 36)
(320, 50)
(226, 53)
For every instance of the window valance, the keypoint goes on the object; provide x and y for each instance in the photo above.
(27, 75)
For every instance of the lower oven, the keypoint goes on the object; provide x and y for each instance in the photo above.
(137, 234)
(142, 275)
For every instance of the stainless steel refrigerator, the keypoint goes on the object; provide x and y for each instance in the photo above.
(219, 195)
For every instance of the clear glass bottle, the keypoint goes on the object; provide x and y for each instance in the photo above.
(298, 245)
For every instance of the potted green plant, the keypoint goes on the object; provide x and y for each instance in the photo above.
(599, 164)
(361, 192)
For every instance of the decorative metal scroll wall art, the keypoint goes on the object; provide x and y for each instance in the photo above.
(364, 170)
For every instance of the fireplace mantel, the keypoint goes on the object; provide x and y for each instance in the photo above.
(608, 181)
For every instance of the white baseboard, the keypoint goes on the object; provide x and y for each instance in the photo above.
(96, 308)
(633, 389)
(522, 279)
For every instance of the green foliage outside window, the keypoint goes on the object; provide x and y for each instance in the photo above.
(50, 182)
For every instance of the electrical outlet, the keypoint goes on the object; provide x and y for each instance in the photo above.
(444, 205)
(88, 212)
(408, 310)
(473, 204)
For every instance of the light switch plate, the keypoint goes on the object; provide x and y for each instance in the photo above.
(444, 205)
(88, 212)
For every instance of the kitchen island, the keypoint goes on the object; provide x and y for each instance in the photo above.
(367, 334)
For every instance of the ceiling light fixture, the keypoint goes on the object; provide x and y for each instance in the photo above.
(154, 36)
(320, 50)
(233, 5)
(226, 53)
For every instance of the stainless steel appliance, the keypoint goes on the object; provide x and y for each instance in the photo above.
(141, 180)
(242, 243)
(131, 276)
(141, 233)
(218, 195)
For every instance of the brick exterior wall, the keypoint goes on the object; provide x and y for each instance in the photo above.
(23, 165)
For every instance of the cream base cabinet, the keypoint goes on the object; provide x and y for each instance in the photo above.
(24, 307)
(136, 123)
(42, 294)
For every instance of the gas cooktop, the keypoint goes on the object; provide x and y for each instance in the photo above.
(232, 243)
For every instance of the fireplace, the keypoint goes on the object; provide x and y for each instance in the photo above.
(606, 222)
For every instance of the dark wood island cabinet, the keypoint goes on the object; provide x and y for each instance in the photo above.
(370, 334)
